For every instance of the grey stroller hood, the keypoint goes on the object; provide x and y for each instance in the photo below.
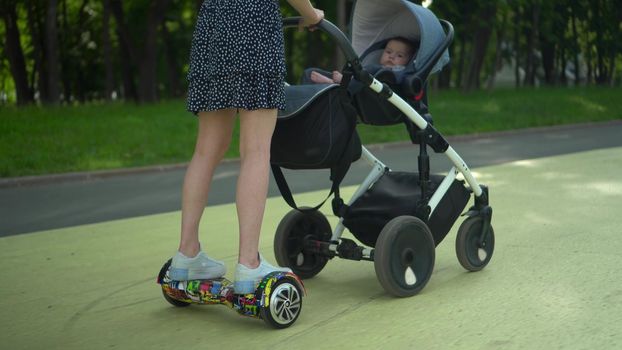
(373, 23)
(377, 20)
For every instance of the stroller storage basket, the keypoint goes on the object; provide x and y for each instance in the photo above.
(399, 193)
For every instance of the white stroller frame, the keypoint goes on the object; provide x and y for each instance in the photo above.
(378, 168)
(475, 239)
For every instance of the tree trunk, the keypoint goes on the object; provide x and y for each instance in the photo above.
(577, 51)
(530, 71)
(614, 52)
(563, 64)
(172, 65)
(590, 70)
(65, 48)
(81, 78)
(551, 39)
(51, 53)
(548, 61)
(107, 46)
(461, 59)
(601, 76)
(588, 58)
(147, 69)
(444, 77)
(39, 72)
(517, 31)
(15, 54)
(612, 67)
(497, 63)
(126, 50)
(480, 45)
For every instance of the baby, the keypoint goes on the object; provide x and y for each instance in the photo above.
(397, 53)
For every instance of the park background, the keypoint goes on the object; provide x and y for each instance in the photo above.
(89, 85)
(91, 284)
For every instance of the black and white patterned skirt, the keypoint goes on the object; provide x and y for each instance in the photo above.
(237, 56)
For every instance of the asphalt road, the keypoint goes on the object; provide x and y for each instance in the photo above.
(58, 202)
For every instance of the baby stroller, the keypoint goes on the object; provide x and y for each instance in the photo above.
(400, 217)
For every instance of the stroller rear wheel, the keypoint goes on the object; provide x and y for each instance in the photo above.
(471, 255)
(289, 242)
(404, 256)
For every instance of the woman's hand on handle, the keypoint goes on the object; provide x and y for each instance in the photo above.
(311, 22)
(310, 15)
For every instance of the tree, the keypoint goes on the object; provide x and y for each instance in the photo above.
(531, 33)
(84, 50)
(51, 53)
(500, 30)
(486, 18)
(39, 72)
(15, 54)
(143, 58)
(126, 51)
(147, 68)
(551, 34)
(107, 47)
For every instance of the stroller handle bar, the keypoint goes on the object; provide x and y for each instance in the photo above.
(332, 30)
(352, 59)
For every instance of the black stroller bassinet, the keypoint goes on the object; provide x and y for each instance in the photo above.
(399, 217)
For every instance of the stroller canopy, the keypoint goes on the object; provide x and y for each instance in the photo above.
(377, 20)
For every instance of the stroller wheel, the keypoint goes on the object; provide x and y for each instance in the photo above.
(291, 233)
(470, 255)
(404, 256)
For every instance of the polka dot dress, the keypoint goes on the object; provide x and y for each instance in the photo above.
(237, 56)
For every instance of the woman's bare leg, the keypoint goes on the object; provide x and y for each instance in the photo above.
(213, 139)
(256, 128)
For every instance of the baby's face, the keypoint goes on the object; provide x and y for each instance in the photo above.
(396, 53)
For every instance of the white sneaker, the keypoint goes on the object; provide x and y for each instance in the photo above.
(247, 279)
(199, 267)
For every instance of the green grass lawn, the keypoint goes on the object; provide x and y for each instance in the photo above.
(45, 140)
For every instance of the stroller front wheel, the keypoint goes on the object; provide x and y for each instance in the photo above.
(404, 256)
(471, 255)
(289, 242)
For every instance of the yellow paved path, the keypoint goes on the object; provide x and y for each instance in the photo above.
(554, 280)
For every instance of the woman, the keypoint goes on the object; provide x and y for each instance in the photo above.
(237, 65)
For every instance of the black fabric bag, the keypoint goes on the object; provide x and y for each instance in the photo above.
(319, 136)
(398, 193)
(320, 133)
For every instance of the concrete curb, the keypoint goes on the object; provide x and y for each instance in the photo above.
(101, 174)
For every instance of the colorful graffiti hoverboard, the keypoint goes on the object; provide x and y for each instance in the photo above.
(277, 300)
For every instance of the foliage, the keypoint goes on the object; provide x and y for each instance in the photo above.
(556, 42)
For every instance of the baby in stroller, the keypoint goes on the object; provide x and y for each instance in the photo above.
(395, 56)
